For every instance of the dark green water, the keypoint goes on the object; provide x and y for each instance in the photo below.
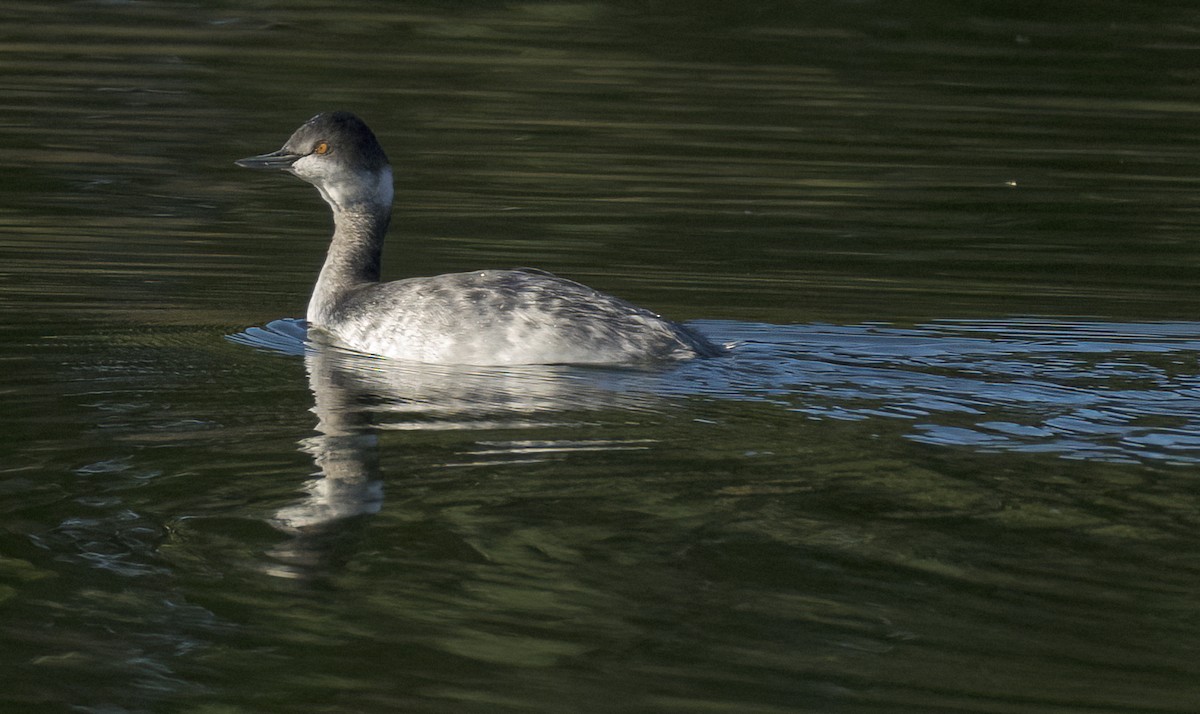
(952, 465)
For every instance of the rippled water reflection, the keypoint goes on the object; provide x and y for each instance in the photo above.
(1106, 391)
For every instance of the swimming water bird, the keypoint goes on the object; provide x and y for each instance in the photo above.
(485, 317)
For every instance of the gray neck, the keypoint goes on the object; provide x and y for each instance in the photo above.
(353, 258)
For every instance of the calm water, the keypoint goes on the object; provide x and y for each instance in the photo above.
(952, 464)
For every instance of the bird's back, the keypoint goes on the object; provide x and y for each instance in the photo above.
(495, 317)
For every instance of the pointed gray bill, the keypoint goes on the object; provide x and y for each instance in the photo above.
(275, 160)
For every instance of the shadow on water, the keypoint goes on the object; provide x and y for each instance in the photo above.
(1114, 392)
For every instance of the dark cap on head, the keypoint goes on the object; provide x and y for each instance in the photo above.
(340, 135)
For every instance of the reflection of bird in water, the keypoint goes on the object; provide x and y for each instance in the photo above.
(345, 450)
(351, 391)
(489, 317)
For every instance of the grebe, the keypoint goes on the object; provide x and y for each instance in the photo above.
(486, 317)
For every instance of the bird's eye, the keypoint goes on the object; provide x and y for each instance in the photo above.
(321, 148)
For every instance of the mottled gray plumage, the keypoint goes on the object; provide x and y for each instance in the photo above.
(488, 317)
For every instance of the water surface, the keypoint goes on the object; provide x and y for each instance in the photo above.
(950, 465)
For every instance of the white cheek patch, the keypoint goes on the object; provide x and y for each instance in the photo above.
(305, 167)
(341, 189)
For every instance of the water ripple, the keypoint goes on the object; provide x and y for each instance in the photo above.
(1084, 390)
